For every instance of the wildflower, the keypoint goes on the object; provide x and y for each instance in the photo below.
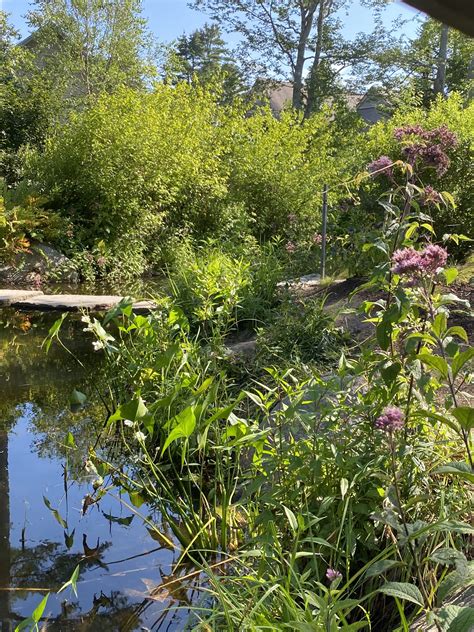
(433, 257)
(332, 574)
(382, 165)
(409, 130)
(98, 345)
(406, 261)
(390, 420)
(290, 247)
(292, 218)
(317, 238)
(430, 195)
(101, 262)
(140, 436)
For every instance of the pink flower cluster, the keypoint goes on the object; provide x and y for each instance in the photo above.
(317, 238)
(430, 196)
(411, 262)
(290, 247)
(427, 146)
(381, 166)
(390, 420)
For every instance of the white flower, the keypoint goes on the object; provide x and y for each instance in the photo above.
(98, 344)
(128, 422)
(139, 436)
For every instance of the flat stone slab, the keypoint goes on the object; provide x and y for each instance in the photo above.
(74, 302)
(8, 297)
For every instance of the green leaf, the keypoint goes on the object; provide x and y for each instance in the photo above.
(458, 331)
(390, 372)
(136, 499)
(344, 486)
(69, 539)
(291, 519)
(55, 513)
(465, 416)
(462, 470)
(380, 567)
(450, 274)
(383, 332)
(440, 324)
(457, 618)
(71, 582)
(462, 359)
(126, 522)
(133, 410)
(77, 400)
(435, 362)
(403, 590)
(184, 424)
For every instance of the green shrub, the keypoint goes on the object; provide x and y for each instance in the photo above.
(300, 332)
(459, 119)
(135, 164)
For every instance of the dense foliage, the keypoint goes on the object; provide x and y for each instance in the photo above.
(329, 490)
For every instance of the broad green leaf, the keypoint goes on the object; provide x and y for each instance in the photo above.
(462, 470)
(440, 324)
(458, 331)
(450, 274)
(465, 416)
(403, 590)
(390, 372)
(457, 618)
(380, 567)
(184, 424)
(136, 499)
(461, 359)
(383, 332)
(435, 362)
(133, 410)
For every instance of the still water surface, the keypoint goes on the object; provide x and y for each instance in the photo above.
(122, 566)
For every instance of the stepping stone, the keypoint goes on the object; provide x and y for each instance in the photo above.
(75, 302)
(8, 297)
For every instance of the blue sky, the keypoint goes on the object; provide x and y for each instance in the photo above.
(168, 19)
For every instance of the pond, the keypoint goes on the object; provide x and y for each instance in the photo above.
(44, 533)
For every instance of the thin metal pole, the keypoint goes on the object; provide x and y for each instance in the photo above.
(324, 231)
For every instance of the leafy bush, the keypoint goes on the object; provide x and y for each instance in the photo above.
(459, 119)
(135, 163)
(300, 332)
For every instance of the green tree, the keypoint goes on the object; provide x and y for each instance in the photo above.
(295, 38)
(203, 55)
(439, 60)
(94, 46)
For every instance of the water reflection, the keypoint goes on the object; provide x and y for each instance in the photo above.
(44, 534)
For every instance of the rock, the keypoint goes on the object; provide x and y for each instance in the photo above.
(41, 263)
(244, 350)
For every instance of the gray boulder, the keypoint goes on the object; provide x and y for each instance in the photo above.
(41, 263)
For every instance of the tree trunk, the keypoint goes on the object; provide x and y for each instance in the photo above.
(310, 103)
(307, 16)
(440, 80)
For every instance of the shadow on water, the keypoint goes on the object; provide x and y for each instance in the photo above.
(121, 566)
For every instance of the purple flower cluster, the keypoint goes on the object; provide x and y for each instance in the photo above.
(332, 574)
(381, 166)
(433, 257)
(390, 420)
(430, 196)
(427, 146)
(411, 262)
